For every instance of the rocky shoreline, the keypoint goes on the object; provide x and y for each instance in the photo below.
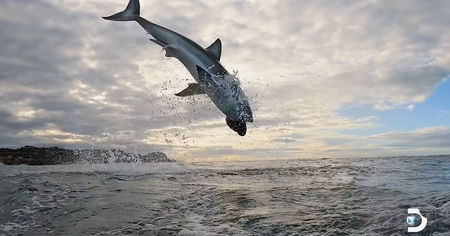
(58, 156)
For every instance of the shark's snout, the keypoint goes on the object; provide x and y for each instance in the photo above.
(239, 126)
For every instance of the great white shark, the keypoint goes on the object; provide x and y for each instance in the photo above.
(203, 64)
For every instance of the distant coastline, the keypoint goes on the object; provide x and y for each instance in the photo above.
(30, 155)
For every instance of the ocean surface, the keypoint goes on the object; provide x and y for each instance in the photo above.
(296, 197)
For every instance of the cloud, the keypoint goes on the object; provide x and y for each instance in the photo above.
(428, 138)
(68, 77)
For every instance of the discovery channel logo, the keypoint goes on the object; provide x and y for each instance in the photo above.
(415, 220)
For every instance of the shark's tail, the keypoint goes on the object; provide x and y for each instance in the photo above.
(129, 14)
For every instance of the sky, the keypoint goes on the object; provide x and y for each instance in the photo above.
(324, 78)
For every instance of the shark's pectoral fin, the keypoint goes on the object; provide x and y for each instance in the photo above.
(192, 89)
(215, 49)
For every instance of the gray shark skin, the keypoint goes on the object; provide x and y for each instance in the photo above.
(204, 66)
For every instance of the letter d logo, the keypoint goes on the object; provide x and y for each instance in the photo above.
(420, 227)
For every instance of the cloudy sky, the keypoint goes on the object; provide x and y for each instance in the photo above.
(325, 78)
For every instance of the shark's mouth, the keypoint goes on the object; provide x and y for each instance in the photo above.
(239, 127)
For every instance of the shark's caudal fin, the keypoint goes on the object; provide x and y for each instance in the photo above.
(129, 14)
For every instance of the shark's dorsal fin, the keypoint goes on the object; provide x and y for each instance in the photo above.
(192, 89)
(215, 49)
